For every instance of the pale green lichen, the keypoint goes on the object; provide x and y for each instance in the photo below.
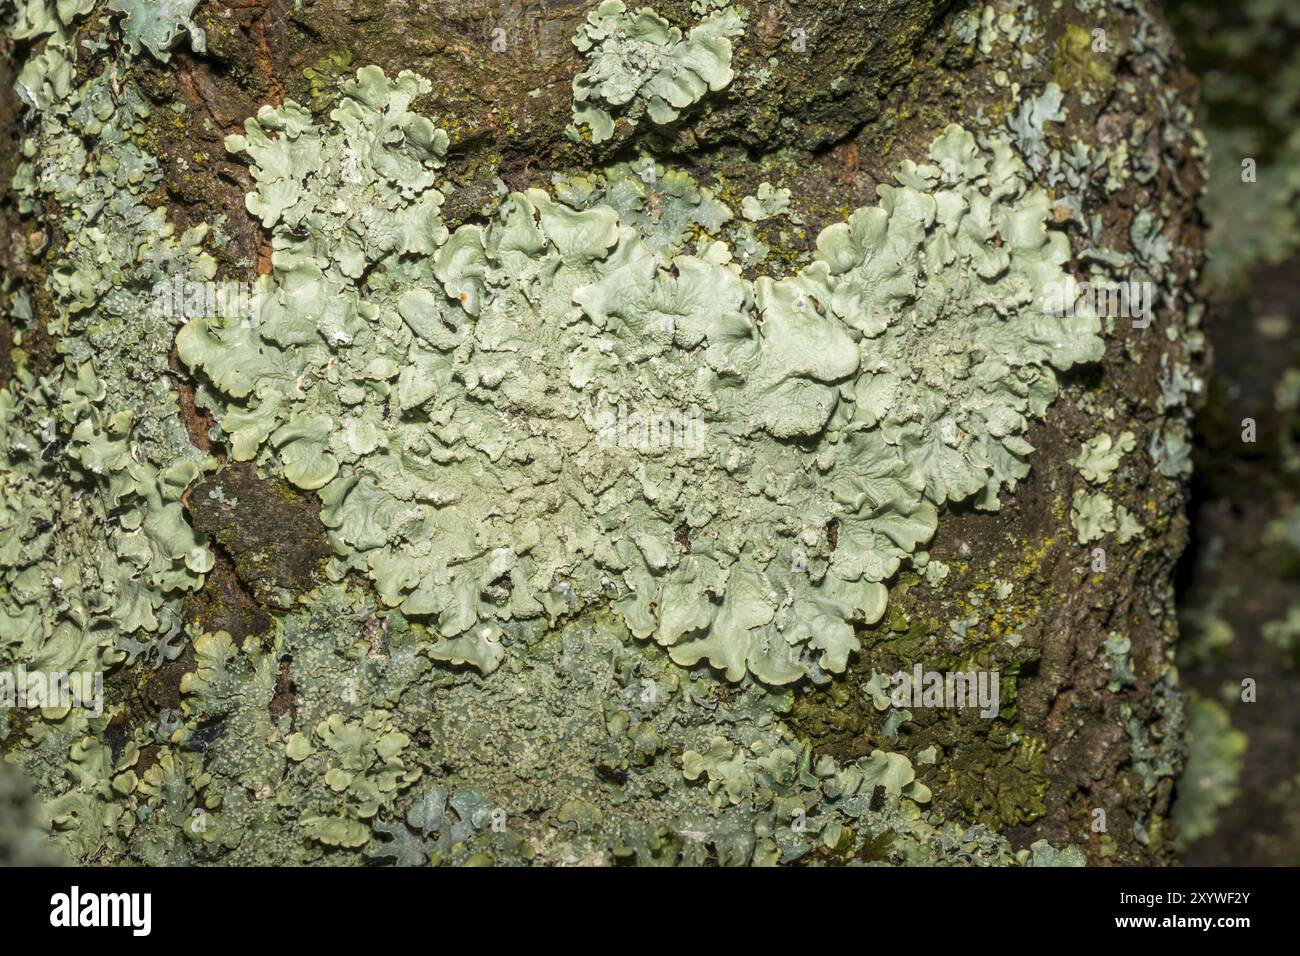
(768, 203)
(936, 572)
(461, 829)
(612, 754)
(97, 554)
(1156, 747)
(1028, 124)
(1128, 527)
(465, 413)
(94, 461)
(1171, 449)
(1101, 455)
(1209, 783)
(429, 385)
(640, 65)
(47, 78)
(155, 24)
(1092, 514)
(361, 760)
(1042, 853)
(1118, 648)
(665, 206)
(38, 18)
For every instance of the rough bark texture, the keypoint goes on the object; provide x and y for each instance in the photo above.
(874, 86)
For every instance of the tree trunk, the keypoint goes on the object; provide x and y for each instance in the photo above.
(272, 702)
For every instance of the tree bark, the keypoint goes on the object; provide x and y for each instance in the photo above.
(1084, 754)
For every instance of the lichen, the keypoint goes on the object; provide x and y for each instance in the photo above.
(1092, 514)
(500, 426)
(38, 18)
(767, 203)
(93, 458)
(1214, 761)
(465, 413)
(1101, 455)
(155, 24)
(1042, 853)
(1118, 649)
(641, 65)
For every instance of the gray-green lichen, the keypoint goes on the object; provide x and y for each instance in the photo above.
(768, 203)
(640, 65)
(155, 24)
(1042, 853)
(665, 206)
(1214, 760)
(93, 457)
(1117, 649)
(613, 754)
(47, 76)
(1092, 514)
(511, 421)
(579, 401)
(37, 18)
(1101, 455)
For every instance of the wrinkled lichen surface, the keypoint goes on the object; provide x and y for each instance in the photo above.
(575, 519)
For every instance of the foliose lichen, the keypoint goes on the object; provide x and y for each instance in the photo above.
(1101, 455)
(506, 422)
(1210, 779)
(640, 65)
(93, 457)
(155, 24)
(501, 425)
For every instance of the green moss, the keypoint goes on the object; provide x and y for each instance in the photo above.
(269, 530)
